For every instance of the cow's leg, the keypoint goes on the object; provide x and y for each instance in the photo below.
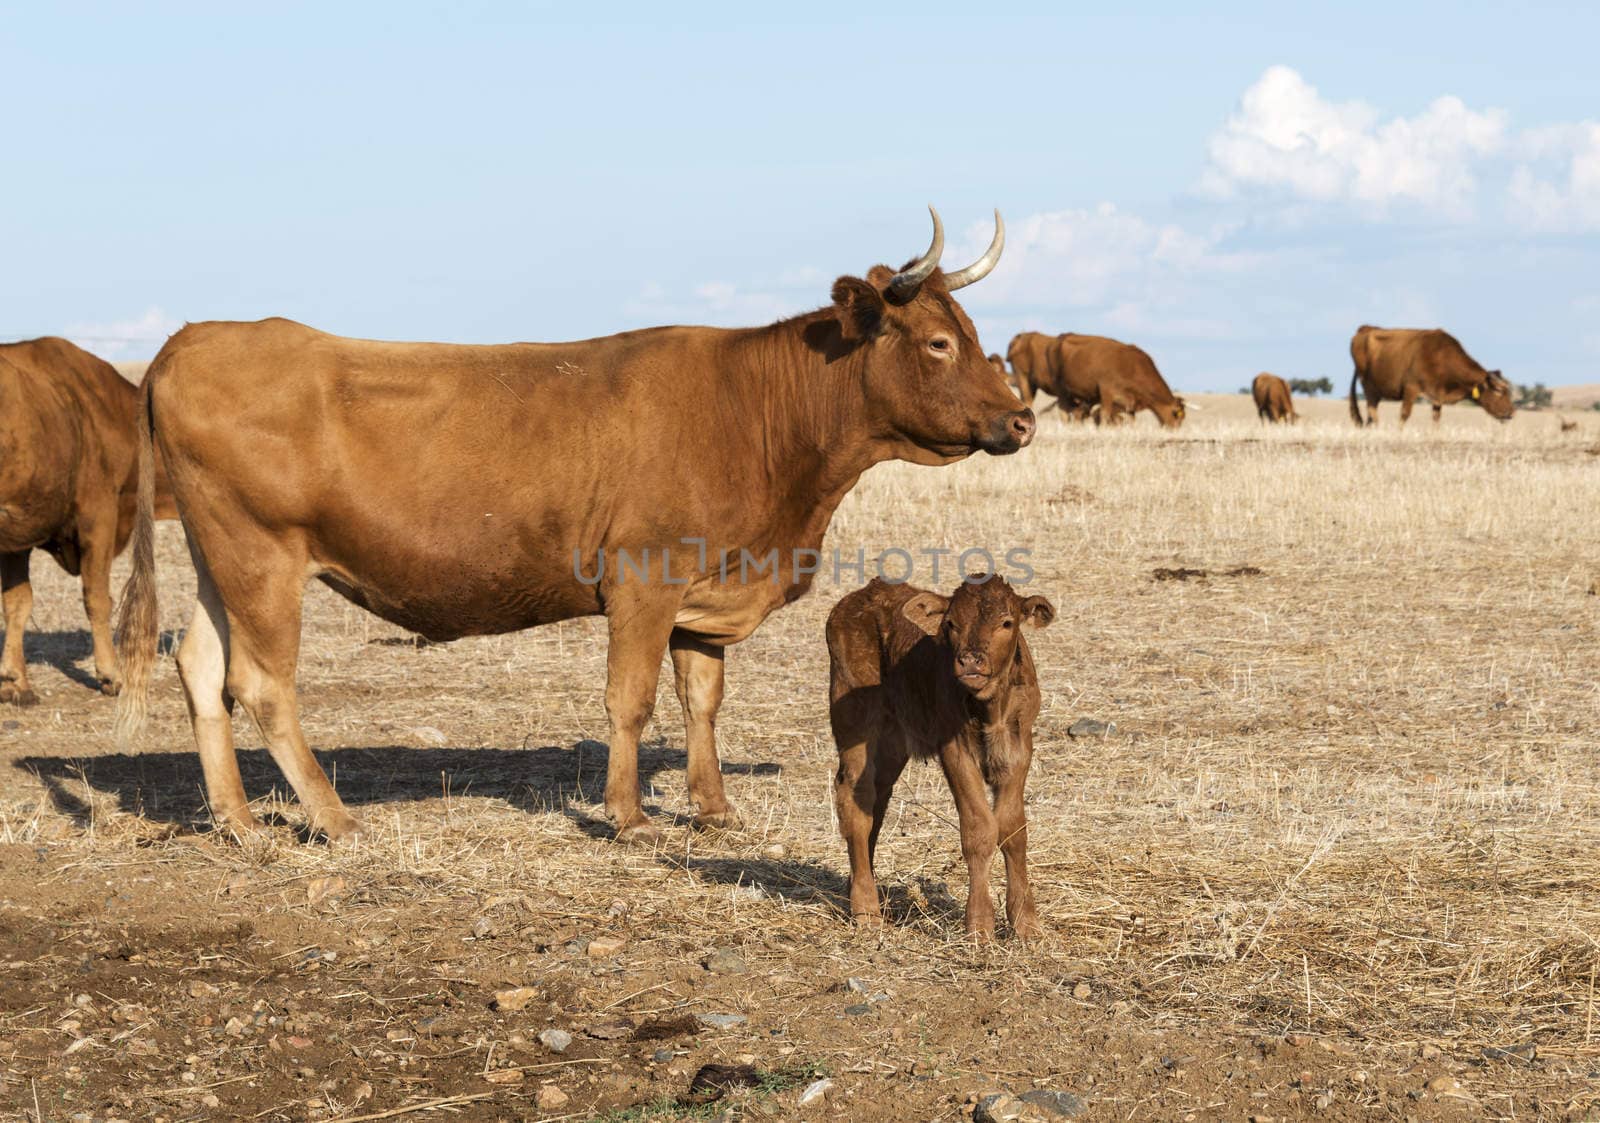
(697, 676)
(640, 621)
(857, 795)
(263, 610)
(203, 670)
(17, 596)
(979, 834)
(1437, 410)
(1408, 398)
(99, 543)
(1011, 820)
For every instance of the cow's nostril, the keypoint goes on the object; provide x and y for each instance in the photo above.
(1022, 425)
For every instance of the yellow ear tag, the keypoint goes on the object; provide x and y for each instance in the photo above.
(1476, 393)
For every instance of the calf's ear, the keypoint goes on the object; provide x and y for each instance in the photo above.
(926, 611)
(861, 308)
(1038, 611)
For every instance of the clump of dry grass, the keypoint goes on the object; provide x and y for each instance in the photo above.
(1353, 795)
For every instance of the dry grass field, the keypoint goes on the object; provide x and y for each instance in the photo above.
(1338, 859)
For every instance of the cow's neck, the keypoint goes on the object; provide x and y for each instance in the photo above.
(814, 439)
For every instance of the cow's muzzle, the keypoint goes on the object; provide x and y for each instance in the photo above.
(1010, 432)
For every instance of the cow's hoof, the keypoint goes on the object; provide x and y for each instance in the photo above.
(111, 687)
(867, 919)
(243, 828)
(16, 695)
(728, 819)
(642, 833)
(1028, 931)
(339, 828)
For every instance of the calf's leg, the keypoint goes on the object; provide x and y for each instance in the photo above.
(16, 595)
(1011, 822)
(979, 834)
(856, 795)
(697, 676)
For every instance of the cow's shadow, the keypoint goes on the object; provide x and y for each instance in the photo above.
(166, 787)
(63, 651)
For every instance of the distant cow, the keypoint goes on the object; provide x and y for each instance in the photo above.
(1273, 402)
(919, 674)
(1119, 378)
(1036, 365)
(68, 483)
(1403, 364)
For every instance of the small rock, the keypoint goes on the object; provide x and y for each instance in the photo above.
(234, 1028)
(1055, 1105)
(1323, 1102)
(210, 1100)
(725, 961)
(551, 1098)
(1082, 991)
(482, 928)
(199, 989)
(858, 1009)
(1442, 1085)
(505, 1076)
(1429, 1052)
(429, 735)
(1089, 727)
(816, 1090)
(858, 986)
(299, 1042)
(1528, 1052)
(556, 1040)
(604, 947)
(998, 1108)
(610, 1031)
(320, 889)
(515, 998)
(773, 852)
(662, 1056)
(721, 1021)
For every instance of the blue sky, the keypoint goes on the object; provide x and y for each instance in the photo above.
(1233, 187)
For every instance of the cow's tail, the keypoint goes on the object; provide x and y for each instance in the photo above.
(1355, 410)
(138, 617)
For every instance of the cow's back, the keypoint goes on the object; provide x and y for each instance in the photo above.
(1095, 365)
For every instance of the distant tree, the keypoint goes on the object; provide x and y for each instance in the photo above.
(1311, 387)
(1537, 396)
(1594, 405)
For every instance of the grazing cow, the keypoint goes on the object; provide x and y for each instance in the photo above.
(68, 486)
(917, 674)
(471, 490)
(1273, 401)
(1119, 378)
(1035, 361)
(1403, 364)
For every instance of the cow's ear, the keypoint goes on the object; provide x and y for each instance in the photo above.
(1038, 611)
(861, 308)
(926, 611)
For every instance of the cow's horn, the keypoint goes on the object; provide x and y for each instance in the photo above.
(979, 269)
(904, 284)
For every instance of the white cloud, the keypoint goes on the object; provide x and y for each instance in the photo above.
(137, 338)
(1571, 200)
(1286, 137)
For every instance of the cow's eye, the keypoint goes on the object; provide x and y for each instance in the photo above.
(1007, 625)
(939, 345)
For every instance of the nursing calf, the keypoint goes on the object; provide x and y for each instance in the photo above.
(914, 673)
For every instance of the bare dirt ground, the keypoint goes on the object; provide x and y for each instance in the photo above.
(1338, 859)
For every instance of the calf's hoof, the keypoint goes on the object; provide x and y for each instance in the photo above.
(641, 833)
(728, 819)
(340, 828)
(111, 687)
(16, 695)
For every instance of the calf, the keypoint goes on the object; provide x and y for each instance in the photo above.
(914, 673)
(1273, 400)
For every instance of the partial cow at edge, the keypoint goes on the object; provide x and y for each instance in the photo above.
(69, 478)
(917, 674)
(1404, 364)
(1094, 376)
(1273, 400)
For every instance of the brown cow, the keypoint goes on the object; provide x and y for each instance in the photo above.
(470, 490)
(1273, 401)
(1036, 364)
(68, 486)
(1403, 364)
(917, 674)
(1119, 378)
